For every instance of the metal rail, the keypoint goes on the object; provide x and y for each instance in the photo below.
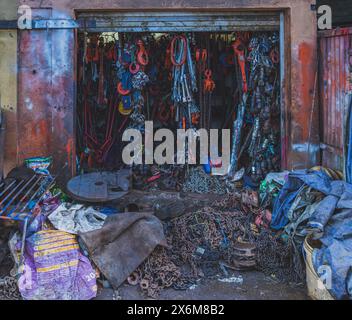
(17, 197)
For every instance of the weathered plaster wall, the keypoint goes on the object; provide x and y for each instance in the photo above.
(8, 9)
(8, 82)
(55, 103)
(8, 94)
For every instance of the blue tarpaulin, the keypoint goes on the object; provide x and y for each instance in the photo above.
(331, 220)
(318, 180)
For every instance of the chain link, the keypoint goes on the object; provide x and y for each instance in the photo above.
(198, 242)
(199, 182)
(9, 289)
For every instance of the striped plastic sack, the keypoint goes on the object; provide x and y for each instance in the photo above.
(39, 165)
(55, 269)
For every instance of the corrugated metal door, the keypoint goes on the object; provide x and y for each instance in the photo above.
(335, 85)
(174, 21)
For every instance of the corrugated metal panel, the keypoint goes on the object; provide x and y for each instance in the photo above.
(179, 21)
(334, 50)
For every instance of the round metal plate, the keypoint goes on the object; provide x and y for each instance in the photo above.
(99, 186)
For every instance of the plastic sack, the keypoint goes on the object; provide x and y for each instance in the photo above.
(55, 269)
(75, 218)
(39, 165)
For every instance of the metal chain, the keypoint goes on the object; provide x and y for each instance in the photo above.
(199, 241)
(200, 182)
(9, 289)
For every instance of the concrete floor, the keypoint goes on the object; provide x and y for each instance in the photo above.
(255, 286)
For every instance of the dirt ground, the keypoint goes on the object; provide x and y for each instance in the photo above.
(255, 286)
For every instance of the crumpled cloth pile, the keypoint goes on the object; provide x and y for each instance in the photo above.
(332, 223)
(76, 218)
(123, 243)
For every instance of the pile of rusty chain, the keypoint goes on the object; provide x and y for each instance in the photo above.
(275, 257)
(197, 241)
(9, 289)
(156, 273)
(200, 182)
(180, 265)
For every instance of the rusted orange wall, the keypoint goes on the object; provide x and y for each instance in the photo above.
(46, 87)
(47, 109)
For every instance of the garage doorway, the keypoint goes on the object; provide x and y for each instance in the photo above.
(103, 113)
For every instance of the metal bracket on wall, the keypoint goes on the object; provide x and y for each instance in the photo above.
(43, 24)
(55, 24)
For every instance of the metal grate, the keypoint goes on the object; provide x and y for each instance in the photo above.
(19, 196)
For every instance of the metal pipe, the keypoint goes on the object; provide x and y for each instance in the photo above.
(245, 145)
(24, 233)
